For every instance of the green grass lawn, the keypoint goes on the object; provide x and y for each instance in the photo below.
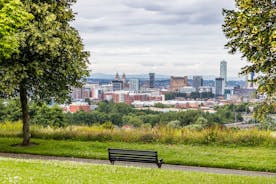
(247, 158)
(34, 171)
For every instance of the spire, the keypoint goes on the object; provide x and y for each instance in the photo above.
(117, 77)
(124, 77)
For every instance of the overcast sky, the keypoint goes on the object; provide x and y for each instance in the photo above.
(172, 37)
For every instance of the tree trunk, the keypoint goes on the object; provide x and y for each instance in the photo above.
(25, 115)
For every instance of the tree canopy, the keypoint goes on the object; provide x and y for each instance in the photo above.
(251, 30)
(13, 17)
(50, 58)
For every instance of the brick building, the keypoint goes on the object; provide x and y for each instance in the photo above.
(176, 83)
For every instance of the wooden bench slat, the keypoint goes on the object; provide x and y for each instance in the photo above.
(137, 158)
(133, 152)
(126, 150)
(127, 154)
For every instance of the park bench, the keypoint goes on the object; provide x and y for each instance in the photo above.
(134, 156)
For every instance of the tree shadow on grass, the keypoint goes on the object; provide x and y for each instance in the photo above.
(32, 144)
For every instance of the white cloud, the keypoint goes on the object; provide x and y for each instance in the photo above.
(176, 37)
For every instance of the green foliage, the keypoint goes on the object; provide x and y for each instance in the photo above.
(108, 125)
(201, 121)
(230, 113)
(244, 107)
(200, 124)
(118, 114)
(160, 105)
(49, 60)
(105, 107)
(174, 124)
(51, 57)
(116, 119)
(251, 30)
(49, 116)
(42, 115)
(152, 119)
(13, 110)
(268, 124)
(84, 118)
(132, 120)
(13, 17)
(110, 107)
(10, 110)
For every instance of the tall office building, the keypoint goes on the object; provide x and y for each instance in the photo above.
(219, 85)
(134, 85)
(151, 80)
(197, 82)
(223, 71)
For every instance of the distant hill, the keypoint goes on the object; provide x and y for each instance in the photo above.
(138, 76)
(146, 76)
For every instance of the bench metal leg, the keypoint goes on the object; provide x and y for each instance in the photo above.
(159, 164)
(112, 162)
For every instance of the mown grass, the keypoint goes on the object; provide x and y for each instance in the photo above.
(165, 135)
(46, 172)
(246, 158)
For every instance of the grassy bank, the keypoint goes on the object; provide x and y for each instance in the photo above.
(22, 171)
(238, 157)
(164, 135)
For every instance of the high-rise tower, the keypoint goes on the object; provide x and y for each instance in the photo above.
(223, 70)
(197, 82)
(219, 85)
(151, 80)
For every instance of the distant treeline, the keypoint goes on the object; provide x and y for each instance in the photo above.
(119, 115)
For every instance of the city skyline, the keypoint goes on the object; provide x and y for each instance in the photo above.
(176, 38)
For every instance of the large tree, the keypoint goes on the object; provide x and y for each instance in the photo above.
(51, 58)
(251, 30)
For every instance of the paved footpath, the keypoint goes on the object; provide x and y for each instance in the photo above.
(164, 166)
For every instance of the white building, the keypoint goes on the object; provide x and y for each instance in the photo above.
(187, 89)
(134, 85)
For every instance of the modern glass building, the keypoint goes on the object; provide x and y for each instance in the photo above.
(197, 82)
(219, 84)
(223, 70)
(151, 80)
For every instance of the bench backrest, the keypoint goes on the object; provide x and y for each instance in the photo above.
(132, 155)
